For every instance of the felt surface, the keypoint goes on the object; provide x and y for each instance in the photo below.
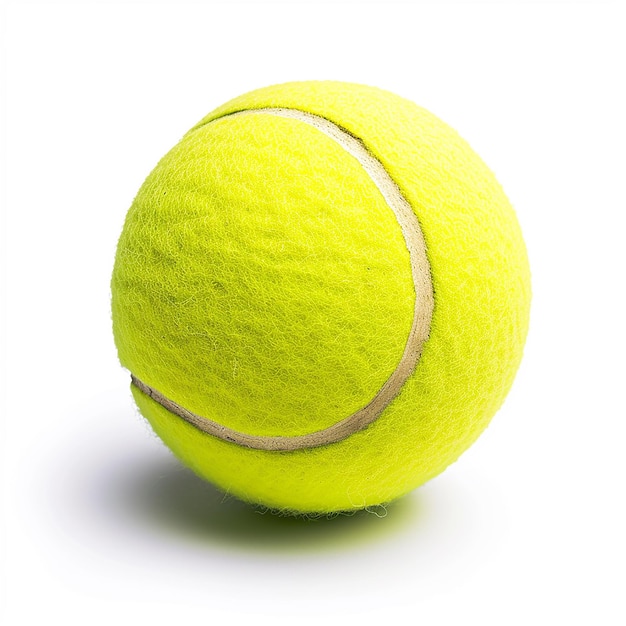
(241, 291)
(278, 302)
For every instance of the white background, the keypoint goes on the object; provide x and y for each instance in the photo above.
(102, 526)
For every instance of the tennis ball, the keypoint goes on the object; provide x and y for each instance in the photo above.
(322, 295)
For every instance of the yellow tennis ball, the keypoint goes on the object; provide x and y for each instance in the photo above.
(322, 296)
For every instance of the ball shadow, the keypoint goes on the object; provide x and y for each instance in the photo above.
(163, 493)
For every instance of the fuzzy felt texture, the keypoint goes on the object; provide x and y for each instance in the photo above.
(262, 281)
(267, 283)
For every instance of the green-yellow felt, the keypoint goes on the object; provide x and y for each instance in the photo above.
(267, 284)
